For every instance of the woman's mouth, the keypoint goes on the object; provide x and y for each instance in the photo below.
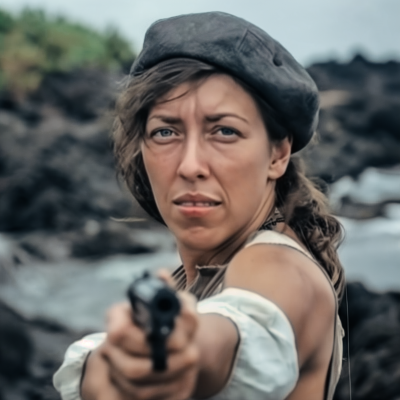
(197, 204)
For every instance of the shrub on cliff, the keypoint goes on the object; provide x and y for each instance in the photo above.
(33, 44)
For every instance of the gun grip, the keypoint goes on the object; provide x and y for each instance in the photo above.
(158, 353)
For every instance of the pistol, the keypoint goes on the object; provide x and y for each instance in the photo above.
(155, 306)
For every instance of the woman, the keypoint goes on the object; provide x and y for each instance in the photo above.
(204, 137)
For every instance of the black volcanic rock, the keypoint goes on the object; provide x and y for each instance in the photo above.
(56, 168)
(82, 94)
(360, 119)
(16, 347)
(374, 342)
(30, 352)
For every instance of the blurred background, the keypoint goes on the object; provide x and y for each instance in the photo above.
(65, 255)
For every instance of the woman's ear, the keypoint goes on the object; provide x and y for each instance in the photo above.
(280, 157)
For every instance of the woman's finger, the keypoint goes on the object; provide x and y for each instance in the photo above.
(96, 382)
(187, 300)
(188, 316)
(169, 390)
(122, 332)
(165, 275)
(112, 392)
(140, 370)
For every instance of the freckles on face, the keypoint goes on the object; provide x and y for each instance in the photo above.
(207, 154)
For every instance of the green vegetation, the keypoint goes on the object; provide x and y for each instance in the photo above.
(33, 44)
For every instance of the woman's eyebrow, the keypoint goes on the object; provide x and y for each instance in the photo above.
(167, 119)
(209, 118)
(217, 117)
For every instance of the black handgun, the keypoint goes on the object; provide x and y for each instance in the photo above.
(155, 306)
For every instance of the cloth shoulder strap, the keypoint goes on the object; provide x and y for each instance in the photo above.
(335, 367)
(273, 237)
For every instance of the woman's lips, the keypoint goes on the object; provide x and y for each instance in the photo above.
(196, 208)
(197, 204)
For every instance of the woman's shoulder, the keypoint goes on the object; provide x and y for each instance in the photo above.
(272, 260)
(282, 256)
(287, 276)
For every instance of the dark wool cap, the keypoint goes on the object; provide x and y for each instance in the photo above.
(245, 51)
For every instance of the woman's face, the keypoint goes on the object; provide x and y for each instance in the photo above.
(209, 162)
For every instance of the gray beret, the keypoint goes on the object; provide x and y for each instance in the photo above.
(245, 51)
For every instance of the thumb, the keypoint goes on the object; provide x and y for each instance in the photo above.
(166, 276)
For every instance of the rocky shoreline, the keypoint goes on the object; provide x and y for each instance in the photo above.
(60, 202)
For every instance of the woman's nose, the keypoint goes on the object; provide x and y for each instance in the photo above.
(193, 164)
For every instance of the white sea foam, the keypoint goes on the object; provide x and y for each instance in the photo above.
(77, 293)
(372, 186)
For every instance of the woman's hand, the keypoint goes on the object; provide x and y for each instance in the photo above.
(121, 368)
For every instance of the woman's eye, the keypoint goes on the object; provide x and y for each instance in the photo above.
(163, 133)
(227, 132)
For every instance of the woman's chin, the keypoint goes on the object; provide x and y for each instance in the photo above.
(200, 238)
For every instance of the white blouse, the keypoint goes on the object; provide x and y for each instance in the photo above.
(265, 366)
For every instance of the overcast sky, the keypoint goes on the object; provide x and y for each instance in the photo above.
(313, 30)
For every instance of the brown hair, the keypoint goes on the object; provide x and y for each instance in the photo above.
(302, 204)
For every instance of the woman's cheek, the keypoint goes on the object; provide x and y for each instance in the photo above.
(158, 168)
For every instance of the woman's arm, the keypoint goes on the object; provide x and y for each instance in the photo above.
(291, 294)
(295, 284)
(85, 372)
(283, 292)
(217, 338)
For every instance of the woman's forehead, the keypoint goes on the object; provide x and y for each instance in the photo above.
(218, 93)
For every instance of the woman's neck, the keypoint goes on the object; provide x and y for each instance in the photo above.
(220, 256)
(191, 258)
